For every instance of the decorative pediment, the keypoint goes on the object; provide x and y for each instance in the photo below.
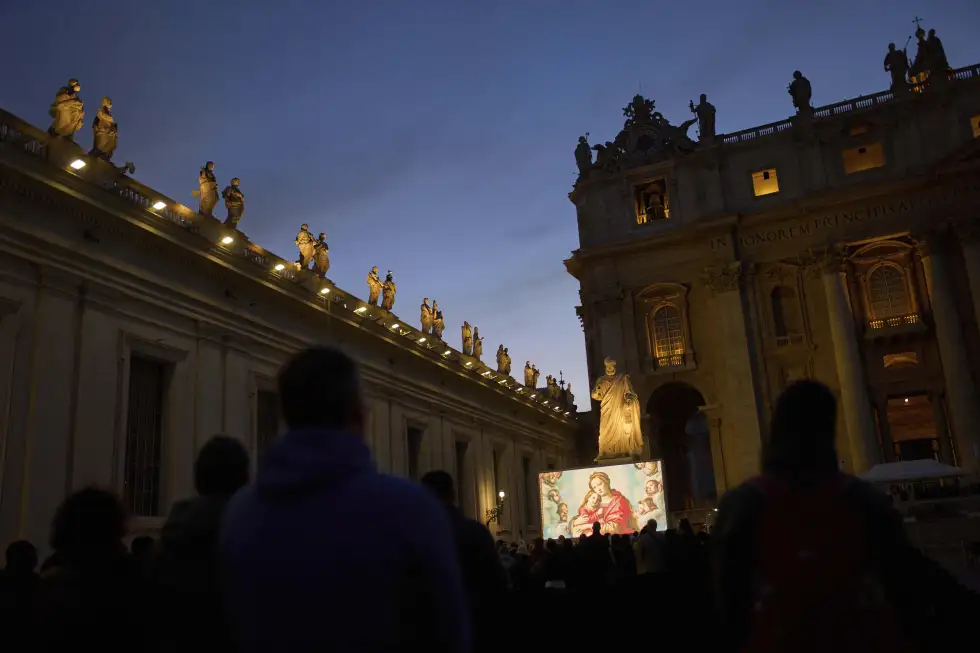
(882, 249)
(662, 291)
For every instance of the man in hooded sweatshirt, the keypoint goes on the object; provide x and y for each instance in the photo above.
(309, 563)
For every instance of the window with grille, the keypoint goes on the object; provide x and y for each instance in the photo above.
(668, 335)
(144, 435)
(889, 296)
(266, 420)
(414, 451)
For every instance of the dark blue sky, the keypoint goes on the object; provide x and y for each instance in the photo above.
(435, 137)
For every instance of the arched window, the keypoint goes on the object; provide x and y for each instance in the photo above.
(785, 312)
(889, 296)
(668, 335)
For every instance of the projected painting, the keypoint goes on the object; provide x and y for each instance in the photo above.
(622, 498)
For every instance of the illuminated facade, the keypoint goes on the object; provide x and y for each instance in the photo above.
(133, 328)
(840, 246)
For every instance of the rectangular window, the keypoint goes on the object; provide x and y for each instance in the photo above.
(865, 157)
(144, 435)
(651, 201)
(975, 124)
(266, 420)
(765, 182)
(414, 451)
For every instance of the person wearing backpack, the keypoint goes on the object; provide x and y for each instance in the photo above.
(806, 558)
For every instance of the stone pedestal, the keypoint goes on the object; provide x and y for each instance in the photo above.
(960, 390)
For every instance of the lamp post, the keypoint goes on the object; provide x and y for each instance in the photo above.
(493, 514)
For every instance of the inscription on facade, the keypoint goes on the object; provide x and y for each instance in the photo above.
(810, 227)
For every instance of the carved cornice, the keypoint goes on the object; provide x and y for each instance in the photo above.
(724, 278)
(929, 242)
(817, 262)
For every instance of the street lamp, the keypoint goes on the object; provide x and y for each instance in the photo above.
(493, 514)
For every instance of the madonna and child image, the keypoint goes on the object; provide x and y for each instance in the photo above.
(621, 498)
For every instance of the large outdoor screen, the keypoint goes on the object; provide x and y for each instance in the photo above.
(622, 498)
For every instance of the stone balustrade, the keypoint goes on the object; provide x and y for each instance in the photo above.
(231, 246)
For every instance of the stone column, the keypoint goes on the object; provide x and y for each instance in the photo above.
(735, 382)
(960, 391)
(854, 399)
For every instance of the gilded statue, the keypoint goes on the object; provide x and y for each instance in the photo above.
(208, 190)
(477, 344)
(801, 92)
(67, 111)
(569, 397)
(535, 373)
(897, 63)
(388, 290)
(104, 132)
(467, 338)
(619, 415)
(426, 316)
(500, 359)
(705, 112)
(234, 202)
(374, 286)
(528, 375)
(549, 382)
(306, 244)
(321, 256)
(507, 361)
(438, 324)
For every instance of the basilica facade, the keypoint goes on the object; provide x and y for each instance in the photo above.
(133, 328)
(839, 245)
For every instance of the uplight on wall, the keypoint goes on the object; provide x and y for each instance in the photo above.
(468, 363)
(361, 309)
(227, 240)
(395, 326)
(421, 340)
(324, 291)
(447, 352)
(77, 164)
(280, 267)
(160, 205)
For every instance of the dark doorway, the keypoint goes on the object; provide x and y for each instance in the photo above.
(681, 439)
(912, 423)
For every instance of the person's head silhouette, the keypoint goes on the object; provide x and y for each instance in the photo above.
(319, 389)
(21, 557)
(440, 483)
(221, 468)
(801, 441)
(88, 526)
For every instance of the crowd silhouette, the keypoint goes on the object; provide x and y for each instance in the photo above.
(802, 558)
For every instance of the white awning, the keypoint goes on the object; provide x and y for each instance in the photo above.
(911, 470)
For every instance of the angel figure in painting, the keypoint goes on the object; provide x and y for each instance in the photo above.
(619, 415)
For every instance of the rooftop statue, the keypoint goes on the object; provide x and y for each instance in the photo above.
(500, 359)
(507, 361)
(374, 286)
(619, 415)
(528, 375)
(705, 113)
(388, 290)
(438, 325)
(535, 373)
(234, 202)
(930, 58)
(67, 111)
(646, 137)
(477, 344)
(104, 132)
(426, 316)
(583, 156)
(208, 190)
(897, 63)
(467, 332)
(306, 244)
(801, 92)
(321, 256)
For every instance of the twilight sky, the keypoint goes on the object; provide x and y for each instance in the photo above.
(435, 137)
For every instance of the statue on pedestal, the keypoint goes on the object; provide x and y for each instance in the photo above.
(438, 324)
(705, 111)
(104, 132)
(426, 316)
(477, 343)
(67, 111)
(535, 373)
(583, 156)
(801, 92)
(307, 247)
(507, 361)
(528, 375)
(388, 290)
(467, 332)
(619, 415)
(374, 286)
(208, 190)
(897, 63)
(500, 359)
(234, 202)
(549, 382)
(321, 256)
(569, 397)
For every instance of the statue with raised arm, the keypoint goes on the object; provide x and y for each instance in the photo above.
(535, 373)
(104, 132)
(321, 256)
(467, 332)
(426, 316)
(528, 375)
(208, 192)
(374, 286)
(619, 415)
(388, 290)
(705, 112)
(438, 325)
(234, 202)
(897, 63)
(477, 344)
(306, 244)
(67, 111)
(801, 92)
